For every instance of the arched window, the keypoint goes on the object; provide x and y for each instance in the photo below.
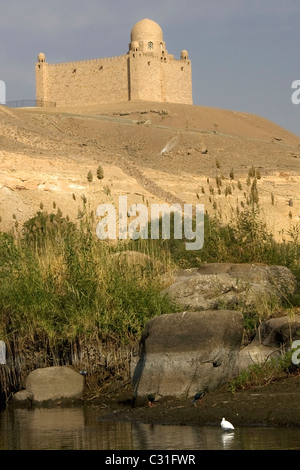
(150, 45)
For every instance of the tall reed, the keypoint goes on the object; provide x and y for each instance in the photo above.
(61, 280)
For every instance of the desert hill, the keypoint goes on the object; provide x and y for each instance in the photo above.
(151, 152)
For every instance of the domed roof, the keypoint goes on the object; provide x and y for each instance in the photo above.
(134, 45)
(145, 30)
(41, 57)
(184, 53)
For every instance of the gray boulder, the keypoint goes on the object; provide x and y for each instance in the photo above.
(22, 399)
(183, 353)
(273, 338)
(226, 285)
(279, 332)
(255, 353)
(53, 383)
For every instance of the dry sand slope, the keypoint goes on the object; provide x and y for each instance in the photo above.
(46, 154)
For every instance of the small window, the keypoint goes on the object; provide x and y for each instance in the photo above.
(101, 67)
(150, 45)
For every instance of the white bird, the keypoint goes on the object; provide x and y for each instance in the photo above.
(226, 425)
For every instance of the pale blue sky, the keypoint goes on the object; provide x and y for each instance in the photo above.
(244, 53)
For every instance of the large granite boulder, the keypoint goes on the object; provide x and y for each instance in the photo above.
(279, 332)
(274, 337)
(226, 285)
(49, 384)
(183, 353)
(255, 353)
(22, 399)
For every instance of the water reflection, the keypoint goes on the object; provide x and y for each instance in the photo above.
(61, 429)
(227, 440)
(146, 436)
(81, 429)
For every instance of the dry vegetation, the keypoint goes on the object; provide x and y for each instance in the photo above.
(46, 156)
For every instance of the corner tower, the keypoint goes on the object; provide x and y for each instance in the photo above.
(153, 73)
(41, 69)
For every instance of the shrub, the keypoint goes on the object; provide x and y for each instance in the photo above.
(251, 172)
(263, 373)
(90, 176)
(100, 173)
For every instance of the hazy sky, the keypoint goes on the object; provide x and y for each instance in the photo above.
(245, 53)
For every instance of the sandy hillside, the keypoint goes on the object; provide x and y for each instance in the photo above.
(151, 152)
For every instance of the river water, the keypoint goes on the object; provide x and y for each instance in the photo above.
(81, 429)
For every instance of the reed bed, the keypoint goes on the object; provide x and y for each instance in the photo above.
(62, 288)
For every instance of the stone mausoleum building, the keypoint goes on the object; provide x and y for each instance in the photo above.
(146, 73)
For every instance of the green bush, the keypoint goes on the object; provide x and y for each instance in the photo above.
(263, 373)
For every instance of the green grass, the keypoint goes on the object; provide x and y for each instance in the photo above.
(58, 280)
(63, 282)
(245, 239)
(261, 374)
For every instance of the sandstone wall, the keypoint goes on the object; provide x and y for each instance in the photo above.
(85, 82)
(156, 78)
(177, 79)
(135, 76)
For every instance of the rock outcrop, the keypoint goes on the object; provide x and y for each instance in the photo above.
(279, 332)
(201, 348)
(226, 285)
(274, 337)
(255, 353)
(183, 353)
